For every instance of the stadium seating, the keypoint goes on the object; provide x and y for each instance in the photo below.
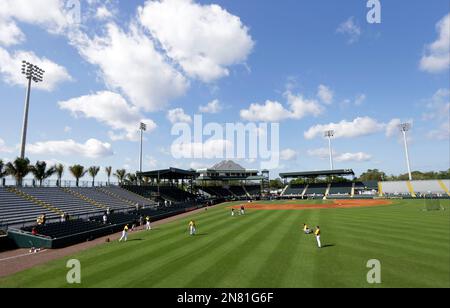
(124, 194)
(253, 190)
(341, 189)
(396, 189)
(316, 189)
(62, 200)
(435, 187)
(294, 190)
(16, 210)
(100, 199)
(170, 193)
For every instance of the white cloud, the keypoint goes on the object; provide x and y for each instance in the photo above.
(92, 148)
(437, 55)
(355, 157)
(325, 94)
(103, 13)
(360, 126)
(150, 162)
(393, 127)
(111, 109)
(204, 40)
(438, 107)
(438, 111)
(10, 33)
(213, 107)
(4, 148)
(49, 14)
(213, 148)
(271, 111)
(10, 70)
(178, 116)
(349, 28)
(129, 62)
(288, 154)
(324, 153)
(442, 133)
(67, 129)
(196, 165)
(360, 99)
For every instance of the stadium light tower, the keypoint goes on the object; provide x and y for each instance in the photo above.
(142, 128)
(405, 127)
(330, 134)
(32, 73)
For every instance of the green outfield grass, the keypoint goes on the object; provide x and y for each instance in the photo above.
(268, 249)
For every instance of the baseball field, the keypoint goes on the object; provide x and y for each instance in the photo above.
(266, 248)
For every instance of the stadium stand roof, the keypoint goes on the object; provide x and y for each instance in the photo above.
(169, 174)
(316, 174)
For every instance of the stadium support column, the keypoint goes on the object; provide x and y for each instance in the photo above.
(405, 127)
(329, 134)
(32, 73)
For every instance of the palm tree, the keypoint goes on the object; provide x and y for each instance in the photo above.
(59, 172)
(120, 175)
(41, 172)
(18, 169)
(2, 170)
(108, 173)
(77, 172)
(131, 179)
(93, 171)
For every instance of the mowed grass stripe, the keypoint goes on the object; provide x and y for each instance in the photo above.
(412, 245)
(218, 261)
(147, 268)
(113, 253)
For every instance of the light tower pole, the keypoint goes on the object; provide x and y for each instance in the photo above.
(330, 134)
(405, 127)
(142, 128)
(32, 73)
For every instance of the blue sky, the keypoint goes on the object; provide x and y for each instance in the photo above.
(308, 65)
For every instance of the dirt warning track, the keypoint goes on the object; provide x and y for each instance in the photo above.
(335, 204)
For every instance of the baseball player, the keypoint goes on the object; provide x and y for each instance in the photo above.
(192, 228)
(147, 225)
(232, 212)
(317, 234)
(124, 234)
(306, 229)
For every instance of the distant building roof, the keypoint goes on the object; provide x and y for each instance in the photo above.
(227, 165)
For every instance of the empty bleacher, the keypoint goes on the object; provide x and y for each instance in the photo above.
(170, 193)
(253, 190)
(434, 187)
(396, 188)
(294, 190)
(62, 200)
(316, 189)
(17, 210)
(101, 199)
(127, 195)
(238, 191)
(341, 189)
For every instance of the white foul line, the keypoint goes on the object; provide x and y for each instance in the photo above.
(19, 256)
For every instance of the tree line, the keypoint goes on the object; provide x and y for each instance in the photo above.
(20, 168)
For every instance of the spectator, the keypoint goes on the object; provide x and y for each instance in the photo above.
(34, 231)
(63, 217)
(105, 219)
(108, 211)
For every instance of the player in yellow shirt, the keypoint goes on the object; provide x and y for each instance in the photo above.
(124, 234)
(148, 225)
(192, 228)
(317, 234)
(306, 229)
